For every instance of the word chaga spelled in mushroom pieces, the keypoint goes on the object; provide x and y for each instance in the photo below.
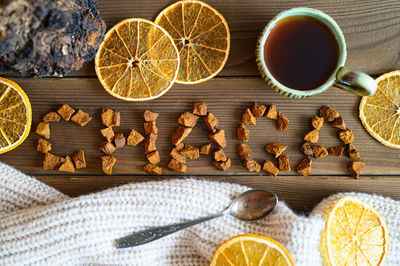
(53, 162)
(182, 152)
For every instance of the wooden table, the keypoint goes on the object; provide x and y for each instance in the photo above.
(372, 31)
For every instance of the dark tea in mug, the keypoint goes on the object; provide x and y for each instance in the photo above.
(301, 52)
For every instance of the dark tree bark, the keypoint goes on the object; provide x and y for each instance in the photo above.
(49, 37)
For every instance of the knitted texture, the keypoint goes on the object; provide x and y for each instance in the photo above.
(39, 225)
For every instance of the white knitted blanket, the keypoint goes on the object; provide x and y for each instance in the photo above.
(39, 225)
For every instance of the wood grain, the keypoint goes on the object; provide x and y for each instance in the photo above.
(302, 194)
(372, 31)
(227, 99)
(371, 28)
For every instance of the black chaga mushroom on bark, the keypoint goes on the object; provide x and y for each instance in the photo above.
(48, 37)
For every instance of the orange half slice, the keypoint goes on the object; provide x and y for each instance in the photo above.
(251, 249)
(15, 115)
(356, 234)
(202, 36)
(380, 113)
(137, 61)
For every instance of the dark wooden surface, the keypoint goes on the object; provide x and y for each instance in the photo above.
(372, 31)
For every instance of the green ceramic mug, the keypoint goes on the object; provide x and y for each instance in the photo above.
(345, 78)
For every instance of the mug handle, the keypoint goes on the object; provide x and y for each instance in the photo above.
(355, 81)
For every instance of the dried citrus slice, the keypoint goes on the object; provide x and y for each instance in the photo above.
(137, 60)
(380, 113)
(355, 234)
(15, 115)
(202, 36)
(251, 250)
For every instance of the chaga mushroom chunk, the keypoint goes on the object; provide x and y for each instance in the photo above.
(49, 38)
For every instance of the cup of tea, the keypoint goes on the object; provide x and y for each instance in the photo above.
(302, 52)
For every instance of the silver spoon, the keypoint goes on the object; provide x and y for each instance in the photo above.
(248, 206)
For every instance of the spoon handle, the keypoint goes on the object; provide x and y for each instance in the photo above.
(155, 233)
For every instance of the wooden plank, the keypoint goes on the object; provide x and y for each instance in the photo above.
(370, 27)
(302, 194)
(227, 99)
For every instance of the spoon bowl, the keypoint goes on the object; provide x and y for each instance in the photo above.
(253, 204)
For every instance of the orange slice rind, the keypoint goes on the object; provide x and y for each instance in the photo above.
(355, 234)
(380, 113)
(202, 36)
(15, 115)
(251, 249)
(137, 61)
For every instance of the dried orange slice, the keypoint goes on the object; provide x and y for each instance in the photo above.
(202, 36)
(355, 234)
(15, 115)
(380, 113)
(251, 250)
(137, 60)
